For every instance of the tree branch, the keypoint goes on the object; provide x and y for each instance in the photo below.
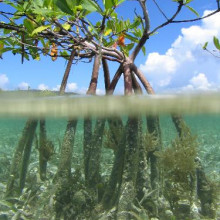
(136, 86)
(106, 74)
(145, 33)
(161, 11)
(169, 20)
(143, 80)
(197, 19)
(115, 80)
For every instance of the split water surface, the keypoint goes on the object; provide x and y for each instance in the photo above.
(142, 157)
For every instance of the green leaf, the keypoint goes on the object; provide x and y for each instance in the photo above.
(137, 32)
(125, 50)
(108, 4)
(154, 33)
(63, 6)
(7, 31)
(1, 48)
(64, 54)
(114, 15)
(130, 46)
(39, 29)
(6, 49)
(73, 3)
(28, 24)
(135, 24)
(193, 10)
(216, 42)
(121, 1)
(187, 1)
(131, 38)
(205, 46)
(144, 50)
(48, 3)
(91, 6)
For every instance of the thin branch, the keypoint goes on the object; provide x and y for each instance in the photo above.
(11, 27)
(197, 19)
(169, 21)
(112, 59)
(212, 53)
(22, 48)
(145, 35)
(161, 11)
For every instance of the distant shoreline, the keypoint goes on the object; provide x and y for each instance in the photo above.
(34, 92)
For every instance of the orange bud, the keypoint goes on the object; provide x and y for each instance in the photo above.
(54, 52)
(121, 40)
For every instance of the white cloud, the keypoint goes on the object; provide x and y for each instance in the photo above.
(57, 88)
(3, 81)
(185, 64)
(23, 86)
(71, 87)
(198, 83)
(155, 61)
(43, 87)
(100, 92)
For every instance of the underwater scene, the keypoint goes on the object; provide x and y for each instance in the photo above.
(114, 163)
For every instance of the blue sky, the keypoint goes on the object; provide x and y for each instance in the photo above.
(174, 61)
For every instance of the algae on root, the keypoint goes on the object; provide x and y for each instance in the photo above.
(21, 158)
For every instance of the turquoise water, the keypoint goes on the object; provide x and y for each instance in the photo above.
(205, 126)
(73, 198)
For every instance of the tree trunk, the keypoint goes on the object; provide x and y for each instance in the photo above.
(42, 150)
(205, 193)
(93, 169)
(106, 74)
(128, 192)
(17, 158)
(127, 78)
(118, 138)
(26, 154)
(87, 142)
(67, 72)
(94, 79)
(64, 167)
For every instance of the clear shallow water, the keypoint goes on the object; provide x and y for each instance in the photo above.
(200, 113)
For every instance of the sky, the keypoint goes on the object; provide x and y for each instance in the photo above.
(174, 60)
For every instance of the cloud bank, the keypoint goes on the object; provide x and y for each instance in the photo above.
(185, 65)
(23, 86)
(3, 81)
